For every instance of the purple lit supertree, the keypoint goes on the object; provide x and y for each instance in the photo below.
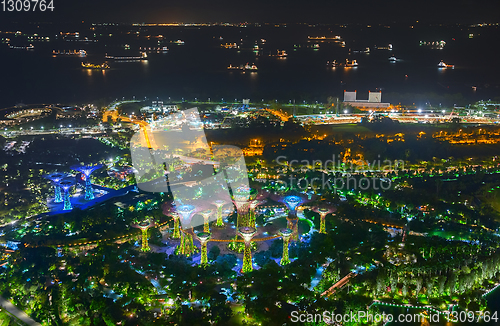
(87, 170)
(293, 202)
(66, 185)
(56, 177)
(186, 213)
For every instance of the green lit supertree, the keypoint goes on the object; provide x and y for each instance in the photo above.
(242, 197)
(247, 234)
(219, 203)
(144, 226)
(252, 219)
(176, 234)
(285, 234)
(204, 237)
(187, 245)
(323, 212)
(206, 215)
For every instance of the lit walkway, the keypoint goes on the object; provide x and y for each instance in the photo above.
(21, 315)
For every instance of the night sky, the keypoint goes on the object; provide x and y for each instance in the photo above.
(316, 11)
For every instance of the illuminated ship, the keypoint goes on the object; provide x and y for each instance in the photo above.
(334, 63)
(89, 65)
(280, 54)
(393, 59)
(243, 67)
(81, 53)
(22, 47)
(442, 64)
(143, 56)
(321, 38)
(352, 63)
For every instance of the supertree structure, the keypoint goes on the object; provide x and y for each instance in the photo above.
(204, 237)
(144, 226)
(285, 234)
(66, 185)
(293, 202)
(323, 212)
(206, 215)
(186, 246)
(242, 196)
(56, 177)
(87, 170)
(219, 203)
(247, 234)
(176, 234)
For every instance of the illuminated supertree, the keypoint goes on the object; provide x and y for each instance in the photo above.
(285, 234)
(251, 218)
(176, 234)
(242, 197)
(186, 213)
(206, 215)
(66, 185)
(293, 202)
(323, 212)
(56, 177)
(219, 203)
(204, 237)
(144, 226)
(247, 234)
(87, 170)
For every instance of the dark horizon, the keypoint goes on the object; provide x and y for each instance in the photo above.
(259, 11)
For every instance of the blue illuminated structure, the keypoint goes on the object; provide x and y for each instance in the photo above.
(66, 185)
(292, 202)
(87, 170)
(56, 177)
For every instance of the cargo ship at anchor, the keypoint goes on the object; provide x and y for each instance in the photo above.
(352, 63)
(143, 56)
(81, 53)
(442, 64)
(243, 67)
(89, 65)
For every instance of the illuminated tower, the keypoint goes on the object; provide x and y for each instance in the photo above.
(144, 226)
(186, 213)
(176, 234)
(242, 197)
(247, 234)
(204, 237)
(285, 234)
(219, 203)
(87, 170)
(253, 205)
(206, 215)
(56, 177)
(323, 212)
(66, 185)
(292, 202)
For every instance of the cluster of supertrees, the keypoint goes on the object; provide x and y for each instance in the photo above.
(63, 182)
(245, 199)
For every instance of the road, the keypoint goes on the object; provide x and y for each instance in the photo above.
(339, 284)
(21, 315)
